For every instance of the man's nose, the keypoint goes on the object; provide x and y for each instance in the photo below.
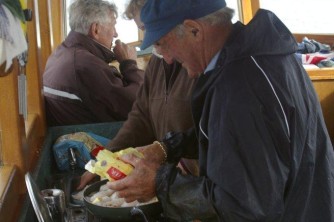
(115, 34)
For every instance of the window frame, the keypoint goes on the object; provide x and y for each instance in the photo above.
(249, 8)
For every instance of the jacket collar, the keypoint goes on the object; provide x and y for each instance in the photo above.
(76, 39)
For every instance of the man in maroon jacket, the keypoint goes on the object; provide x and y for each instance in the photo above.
(79, 84)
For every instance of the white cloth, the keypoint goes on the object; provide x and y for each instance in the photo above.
(8, 50)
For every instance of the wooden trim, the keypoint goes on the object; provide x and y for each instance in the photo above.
(42, 16)
(9, 193)
(248, 9)
(321, 74)
(325, 91)
(136, 43)
(34, 81)
(34, 74)
(11, 122)
(57, 22)
(34, 140)
(5, 176)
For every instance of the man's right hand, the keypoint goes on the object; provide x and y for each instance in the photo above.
(85, 178)
(123, 51)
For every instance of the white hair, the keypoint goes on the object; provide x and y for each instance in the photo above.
(220, 17)
(83, 13)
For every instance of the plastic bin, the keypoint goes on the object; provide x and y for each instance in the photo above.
(46, 165)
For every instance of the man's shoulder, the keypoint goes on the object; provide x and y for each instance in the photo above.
(86, 58)
(81, 52)
(68, 53)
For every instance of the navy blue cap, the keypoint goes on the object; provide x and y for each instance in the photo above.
(161, 16)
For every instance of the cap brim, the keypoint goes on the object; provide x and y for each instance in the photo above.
(151, 37)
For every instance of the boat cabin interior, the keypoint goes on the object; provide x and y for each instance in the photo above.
(25, 138)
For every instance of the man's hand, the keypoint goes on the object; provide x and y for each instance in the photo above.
(153, 153)
(86, 177)
(123, 51)
(140, 183)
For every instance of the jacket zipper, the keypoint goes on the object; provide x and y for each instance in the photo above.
(167, 87)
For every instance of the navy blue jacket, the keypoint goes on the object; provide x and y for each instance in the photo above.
(264, 150)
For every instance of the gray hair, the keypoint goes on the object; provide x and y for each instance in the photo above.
(133, 7)
(83, 13)
(220, 17)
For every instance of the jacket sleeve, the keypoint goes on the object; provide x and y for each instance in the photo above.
(137, 130)
(243, 176)
(130, 72)
(104, 92)
(180, 144)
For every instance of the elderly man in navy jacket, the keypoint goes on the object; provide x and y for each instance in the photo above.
(264, 150)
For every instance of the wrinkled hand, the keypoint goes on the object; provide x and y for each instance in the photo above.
(140, 183)
(123, 51)
(152, 152)
(85, 178)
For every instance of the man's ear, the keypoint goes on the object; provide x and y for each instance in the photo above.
(193, 28)
(94, 31)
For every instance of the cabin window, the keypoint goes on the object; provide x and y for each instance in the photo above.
(303, 16)
(234, 4)
(127, 30)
